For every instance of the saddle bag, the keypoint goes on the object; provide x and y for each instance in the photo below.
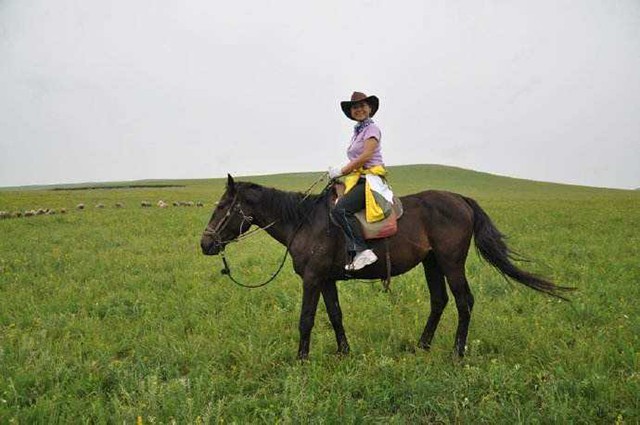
(383, 228)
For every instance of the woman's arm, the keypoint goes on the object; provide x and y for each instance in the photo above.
(370, 146)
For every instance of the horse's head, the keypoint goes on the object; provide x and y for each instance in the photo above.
(230, 219)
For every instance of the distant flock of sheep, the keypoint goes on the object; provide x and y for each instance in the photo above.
(80, 207)
(163, 204)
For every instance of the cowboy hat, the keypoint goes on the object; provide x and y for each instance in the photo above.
(358, 97)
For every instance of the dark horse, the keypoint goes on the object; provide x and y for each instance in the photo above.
(436, 230)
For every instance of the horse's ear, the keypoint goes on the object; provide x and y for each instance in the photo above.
(231, 186)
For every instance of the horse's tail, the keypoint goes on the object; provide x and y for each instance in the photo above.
(492, 247)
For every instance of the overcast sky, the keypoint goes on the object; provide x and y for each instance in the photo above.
(109, 90)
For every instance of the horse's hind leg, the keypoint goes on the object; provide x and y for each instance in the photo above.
(330, 295)
(439, 299)
(464, 302)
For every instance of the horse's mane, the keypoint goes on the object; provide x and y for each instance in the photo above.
(293, 207)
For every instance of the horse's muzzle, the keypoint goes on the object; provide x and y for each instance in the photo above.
(210, 246)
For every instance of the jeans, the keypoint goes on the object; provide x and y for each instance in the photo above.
(343, 214)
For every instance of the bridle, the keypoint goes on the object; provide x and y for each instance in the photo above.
(236, 208)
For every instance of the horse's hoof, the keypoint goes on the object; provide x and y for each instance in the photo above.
(343, 348)
(424, 346)
(457, 357)
(343, 351)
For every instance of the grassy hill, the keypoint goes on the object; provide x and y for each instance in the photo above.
(107, 315)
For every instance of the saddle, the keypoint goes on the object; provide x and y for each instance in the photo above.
(379, 229)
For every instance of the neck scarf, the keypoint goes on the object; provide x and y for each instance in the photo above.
(362, 125)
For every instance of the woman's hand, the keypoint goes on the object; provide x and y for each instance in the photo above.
(335, 172)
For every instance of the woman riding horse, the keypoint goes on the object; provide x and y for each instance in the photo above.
(365, 174)
(435, 231)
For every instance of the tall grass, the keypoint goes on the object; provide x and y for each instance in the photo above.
(114, 314)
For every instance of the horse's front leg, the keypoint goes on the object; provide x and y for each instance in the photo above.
(310, 297)
(330, 295)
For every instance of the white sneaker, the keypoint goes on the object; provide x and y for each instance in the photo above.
(362, 260)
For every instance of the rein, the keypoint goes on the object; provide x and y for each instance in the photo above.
(248, 219)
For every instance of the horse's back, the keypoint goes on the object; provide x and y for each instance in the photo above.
(444, 214)
(440, 200)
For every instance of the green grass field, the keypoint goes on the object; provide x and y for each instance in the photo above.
(114, 316)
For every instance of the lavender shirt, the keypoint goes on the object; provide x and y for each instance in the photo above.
(357, 145)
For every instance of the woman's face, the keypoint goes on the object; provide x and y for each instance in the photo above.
(360, 111)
